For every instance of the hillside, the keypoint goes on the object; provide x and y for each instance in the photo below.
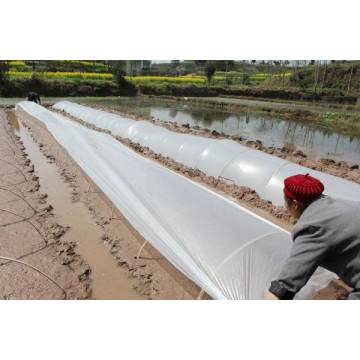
(337, 78)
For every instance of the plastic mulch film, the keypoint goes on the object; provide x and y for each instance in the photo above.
(224, 248)
(262, 172)
(217, 156)
(252, 169)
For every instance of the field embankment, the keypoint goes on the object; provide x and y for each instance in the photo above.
(344, 122)
(244, 91)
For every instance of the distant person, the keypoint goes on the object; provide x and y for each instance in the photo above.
(33, 96)
(327, 234)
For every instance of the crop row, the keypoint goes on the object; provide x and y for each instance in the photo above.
(62, 75)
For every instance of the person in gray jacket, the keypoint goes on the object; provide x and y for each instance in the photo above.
(327, 234)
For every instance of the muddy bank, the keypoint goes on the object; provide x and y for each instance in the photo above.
(257, 92)
(150, 275)
(327, 165)
(108, 280)
(30, 232)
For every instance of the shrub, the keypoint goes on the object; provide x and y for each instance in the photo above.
(21, 86)
(209, 72)
(245, 79)
(125, 86)
(177, 90)
(4, 67)
(85, 90)
(148, 80)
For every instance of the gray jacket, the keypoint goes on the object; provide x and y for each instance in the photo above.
(328, 235)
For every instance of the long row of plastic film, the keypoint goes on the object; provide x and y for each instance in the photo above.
(220, 158)
(228, 251)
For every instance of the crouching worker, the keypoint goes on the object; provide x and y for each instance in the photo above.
(33, 96)
(327, 234)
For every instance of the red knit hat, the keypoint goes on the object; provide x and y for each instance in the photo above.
(303, 187)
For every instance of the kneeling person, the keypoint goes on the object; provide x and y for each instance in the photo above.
(327, 234)
(33, 96)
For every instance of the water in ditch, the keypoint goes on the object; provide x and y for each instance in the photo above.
(315, 142)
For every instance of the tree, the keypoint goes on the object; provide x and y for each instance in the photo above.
(283, 68)
(324, 76)
(223, 65)
(116, 65)
(125, 87)
(245, 79)
(4, 68)
(209, 72)
(349, 83)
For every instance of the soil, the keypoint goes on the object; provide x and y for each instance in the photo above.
(30, 232)
(150, 275)
(108, 280)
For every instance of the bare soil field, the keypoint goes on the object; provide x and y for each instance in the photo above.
(30, 234)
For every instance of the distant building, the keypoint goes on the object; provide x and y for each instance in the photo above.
(136, 67)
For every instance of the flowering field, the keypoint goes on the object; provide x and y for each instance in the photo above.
(188, 79)
(18, 65)
(220, 78)
(58, 75)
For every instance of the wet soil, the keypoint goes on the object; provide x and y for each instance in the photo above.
(108, 280)
(150, 274)
(30, 233)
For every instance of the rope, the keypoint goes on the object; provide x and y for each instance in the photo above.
(39, 271)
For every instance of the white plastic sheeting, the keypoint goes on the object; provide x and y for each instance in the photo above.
(225, 158)
(228, 251)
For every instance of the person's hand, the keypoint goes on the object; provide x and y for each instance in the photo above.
(270, 296)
